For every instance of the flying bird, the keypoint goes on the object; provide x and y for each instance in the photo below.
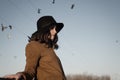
(10, 26)
(53, 2)
(72, 6)
(39, 11)
(3, 27)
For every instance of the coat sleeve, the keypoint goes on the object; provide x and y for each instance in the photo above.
(32, 61)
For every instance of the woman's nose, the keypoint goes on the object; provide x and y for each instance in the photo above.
(55, 31)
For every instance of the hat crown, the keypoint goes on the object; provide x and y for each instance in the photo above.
(44, 22)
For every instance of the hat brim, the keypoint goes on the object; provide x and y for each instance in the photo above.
(59, 26)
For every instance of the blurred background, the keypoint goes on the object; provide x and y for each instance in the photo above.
(89, 42)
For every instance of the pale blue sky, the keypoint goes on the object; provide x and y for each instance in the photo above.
(89, 42)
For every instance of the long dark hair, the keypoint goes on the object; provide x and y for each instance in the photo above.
(43, 37)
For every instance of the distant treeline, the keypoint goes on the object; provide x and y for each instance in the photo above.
(87, 77)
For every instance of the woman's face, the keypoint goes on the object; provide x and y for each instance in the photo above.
(53, 32)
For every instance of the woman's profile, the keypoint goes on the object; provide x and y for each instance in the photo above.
(42, 63)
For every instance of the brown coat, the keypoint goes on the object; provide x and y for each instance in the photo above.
(42, 63)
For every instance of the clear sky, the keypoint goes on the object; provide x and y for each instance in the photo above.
(89, 42)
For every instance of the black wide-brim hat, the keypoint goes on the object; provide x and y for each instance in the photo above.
(46, 21)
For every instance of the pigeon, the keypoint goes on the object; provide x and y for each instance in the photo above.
(39, 10)
(53, 2)
(72, 6)
(3, 27)
(10, 26)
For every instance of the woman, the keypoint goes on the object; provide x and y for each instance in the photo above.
(41, 61)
